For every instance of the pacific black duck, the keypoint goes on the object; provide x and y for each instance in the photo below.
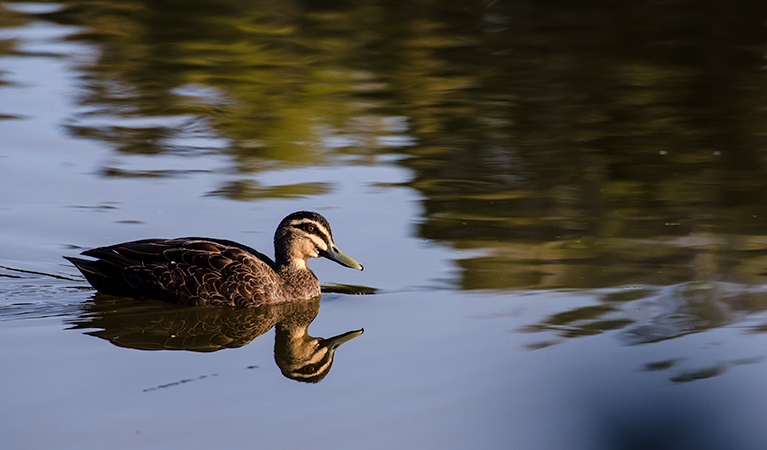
(205, 271)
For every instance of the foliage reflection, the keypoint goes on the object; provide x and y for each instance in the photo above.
(647, 314)
(573, 145)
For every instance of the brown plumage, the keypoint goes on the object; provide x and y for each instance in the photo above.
(205, 271)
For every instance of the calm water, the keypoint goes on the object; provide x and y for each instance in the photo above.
(560, 209)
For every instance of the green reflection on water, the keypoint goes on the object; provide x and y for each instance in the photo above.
(264, 77)
(644, 315)
(581, 145)
(248, 190)
(9, 47)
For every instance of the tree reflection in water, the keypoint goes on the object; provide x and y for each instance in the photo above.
(568, 145)
(644, 315)
(155, 325)
(572, 145)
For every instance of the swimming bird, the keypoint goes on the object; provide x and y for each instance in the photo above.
(206, 271)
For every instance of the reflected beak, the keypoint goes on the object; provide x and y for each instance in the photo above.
(336, 341)
(334, 254)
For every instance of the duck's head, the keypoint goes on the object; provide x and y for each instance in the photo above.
(306, 358)
(303, 235)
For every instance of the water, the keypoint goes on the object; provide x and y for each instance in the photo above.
(559, 210)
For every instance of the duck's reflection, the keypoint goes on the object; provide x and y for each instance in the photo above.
(153, 325)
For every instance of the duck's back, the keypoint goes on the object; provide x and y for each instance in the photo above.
(197, 271)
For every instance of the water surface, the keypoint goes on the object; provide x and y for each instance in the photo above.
(559, 209)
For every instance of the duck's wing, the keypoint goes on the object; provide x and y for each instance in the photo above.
(229, 243)
(183, 270)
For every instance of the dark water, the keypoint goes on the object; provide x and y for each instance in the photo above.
(559, 207)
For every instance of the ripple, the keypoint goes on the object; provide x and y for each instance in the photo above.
(25, 296)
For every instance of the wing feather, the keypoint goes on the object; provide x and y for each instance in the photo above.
(185, 270)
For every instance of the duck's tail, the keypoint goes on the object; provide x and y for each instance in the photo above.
(105, 277)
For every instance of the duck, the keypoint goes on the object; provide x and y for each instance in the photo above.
(210, 271)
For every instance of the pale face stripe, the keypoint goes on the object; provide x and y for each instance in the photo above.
(318, 241)
(319, 226)
(318, 363)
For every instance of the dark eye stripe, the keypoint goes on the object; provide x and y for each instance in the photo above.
(309, 228)
(313, 229)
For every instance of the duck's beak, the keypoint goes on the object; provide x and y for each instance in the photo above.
(334, 342)
(334, 254)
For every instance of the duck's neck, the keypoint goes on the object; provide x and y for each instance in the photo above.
(299, 282)
(286, 258)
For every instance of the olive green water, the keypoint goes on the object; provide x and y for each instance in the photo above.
(560, 209)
